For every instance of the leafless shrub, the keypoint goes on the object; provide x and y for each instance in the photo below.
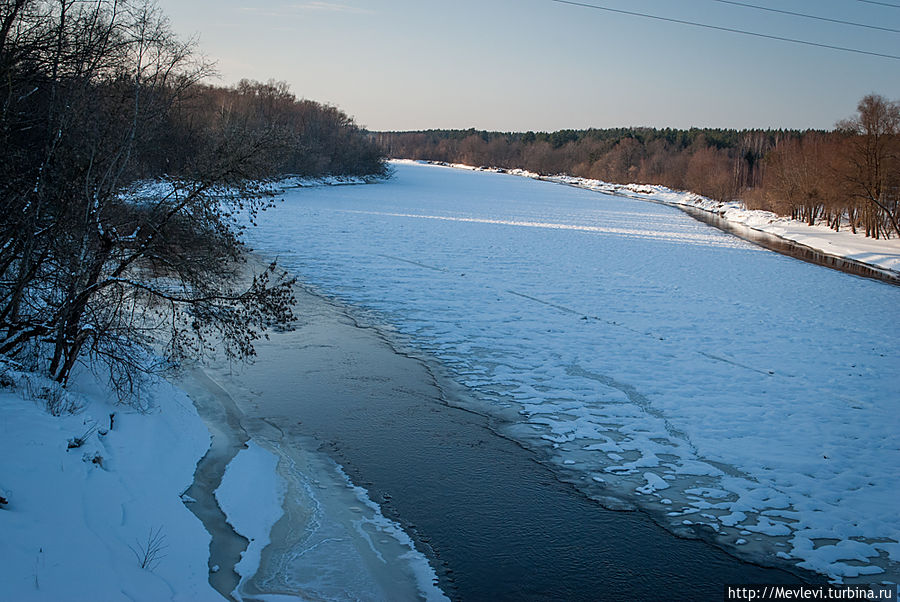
(54, 397)
(6, 379)
(150, 552)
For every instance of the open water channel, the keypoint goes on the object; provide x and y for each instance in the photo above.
(500, 362)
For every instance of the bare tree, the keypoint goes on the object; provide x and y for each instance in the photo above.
(802, 180)
(92, 92)
(874, 155)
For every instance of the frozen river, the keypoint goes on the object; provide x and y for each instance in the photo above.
(652, 360)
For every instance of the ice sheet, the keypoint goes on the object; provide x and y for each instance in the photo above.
(639, 347)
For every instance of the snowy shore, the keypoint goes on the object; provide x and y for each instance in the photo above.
(82, 523)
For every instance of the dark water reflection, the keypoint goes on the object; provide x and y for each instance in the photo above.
(495, 520)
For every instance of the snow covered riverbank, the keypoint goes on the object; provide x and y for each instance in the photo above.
(81, 522)
(109, 520)
(882, 254)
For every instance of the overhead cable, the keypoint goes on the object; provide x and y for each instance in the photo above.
(728, 29)
(881, 3)
(806, 16)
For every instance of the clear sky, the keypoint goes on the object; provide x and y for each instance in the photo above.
(516, 65)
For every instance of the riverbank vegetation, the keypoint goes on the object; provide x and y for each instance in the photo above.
(96, 100)
(847, 178)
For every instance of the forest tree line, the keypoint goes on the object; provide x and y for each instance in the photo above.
(97, 98)
(848, 177)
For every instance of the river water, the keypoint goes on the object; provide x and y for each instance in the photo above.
(563, 353)
(493, 519)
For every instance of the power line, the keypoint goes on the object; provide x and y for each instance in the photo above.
(729, 29)
(881, 3)
(804, 15)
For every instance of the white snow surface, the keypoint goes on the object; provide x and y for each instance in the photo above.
(74, 529)
(882, 253)
(657, 360)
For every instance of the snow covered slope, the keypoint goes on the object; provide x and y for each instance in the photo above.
(659, 362)
(81, 522)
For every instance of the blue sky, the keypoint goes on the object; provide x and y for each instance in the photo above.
(541, 65)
